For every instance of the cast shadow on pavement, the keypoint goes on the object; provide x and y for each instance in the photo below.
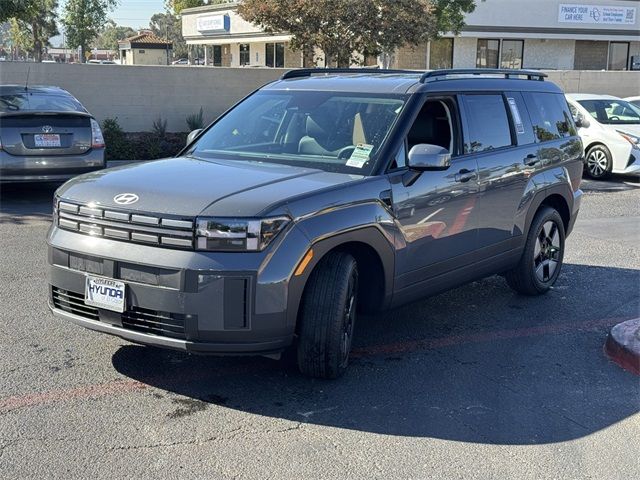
(548, 381)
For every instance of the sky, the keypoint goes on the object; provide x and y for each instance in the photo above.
(129, 13)
(136, 13)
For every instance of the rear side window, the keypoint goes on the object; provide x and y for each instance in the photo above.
(550, 116)
(487, 122)
(520, 119)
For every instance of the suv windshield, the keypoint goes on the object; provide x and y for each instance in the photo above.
(612, 112)
(39, 102)
(337, 132)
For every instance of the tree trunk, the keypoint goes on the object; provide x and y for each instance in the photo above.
(37, 42)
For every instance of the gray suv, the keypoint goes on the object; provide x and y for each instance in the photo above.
(321, 195)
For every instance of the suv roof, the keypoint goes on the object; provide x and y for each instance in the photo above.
(408, 81)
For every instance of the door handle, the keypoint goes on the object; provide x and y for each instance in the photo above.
(531, 160)
(465, 175)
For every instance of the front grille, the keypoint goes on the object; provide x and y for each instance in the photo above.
(154, 322)
(126, 226)
(143, 320)
(73, 303)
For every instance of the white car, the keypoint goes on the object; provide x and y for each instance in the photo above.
(610, 132)
(634, 100)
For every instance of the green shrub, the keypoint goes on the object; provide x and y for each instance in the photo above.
(195, 121)
(160, 127)
(117, 145)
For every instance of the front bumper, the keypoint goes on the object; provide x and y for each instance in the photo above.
(228, 348)
(201, 302)
(22, 169)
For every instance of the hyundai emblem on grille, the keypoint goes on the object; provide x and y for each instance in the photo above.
(126, 198)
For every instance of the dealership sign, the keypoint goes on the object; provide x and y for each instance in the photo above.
(213, 23)
(580, 13)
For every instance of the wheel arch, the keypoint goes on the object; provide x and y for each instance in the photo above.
(558, 197)
(376, 262)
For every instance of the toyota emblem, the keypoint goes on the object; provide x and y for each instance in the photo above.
(126, 198)
(47, 129)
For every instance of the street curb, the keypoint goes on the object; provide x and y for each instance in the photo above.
(623, 345)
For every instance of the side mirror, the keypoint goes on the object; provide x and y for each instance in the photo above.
(192, 135)
(429, 157)
(582, 121)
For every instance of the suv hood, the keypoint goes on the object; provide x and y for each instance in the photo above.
(191, 186)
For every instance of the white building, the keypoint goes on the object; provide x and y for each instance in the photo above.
(550, 34)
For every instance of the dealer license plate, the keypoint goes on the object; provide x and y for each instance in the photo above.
(47, 140)
(105, 293)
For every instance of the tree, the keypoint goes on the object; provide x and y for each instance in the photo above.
(34, 25)
(13, 8)
(346, 30)
(83, 20)
(166, 25)
(111, 34)
(178, 5)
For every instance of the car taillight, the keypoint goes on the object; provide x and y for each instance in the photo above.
(97, 140)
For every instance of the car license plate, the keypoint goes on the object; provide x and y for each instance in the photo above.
(47, 140)
(105, 293)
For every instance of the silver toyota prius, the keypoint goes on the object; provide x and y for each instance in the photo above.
(46, 135)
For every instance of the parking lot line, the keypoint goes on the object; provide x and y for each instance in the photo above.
(427, 344)
(120, 386)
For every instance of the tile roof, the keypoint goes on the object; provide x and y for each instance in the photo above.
(146, 38)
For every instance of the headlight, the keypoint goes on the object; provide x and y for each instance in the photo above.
(632, 139)
(237, 234)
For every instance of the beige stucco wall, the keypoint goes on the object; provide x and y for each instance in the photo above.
(464, 52)
(238, 24)
(151, 56)
(556, 54)
(137, 95)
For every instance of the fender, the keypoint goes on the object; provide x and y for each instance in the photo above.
(562, 189)
(368, 223)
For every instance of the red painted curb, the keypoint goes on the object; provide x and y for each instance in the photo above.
(623, 345)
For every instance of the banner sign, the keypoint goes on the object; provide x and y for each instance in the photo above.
(600, 14)
(213, 23)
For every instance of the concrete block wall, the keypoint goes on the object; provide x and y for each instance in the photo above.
(137, 95)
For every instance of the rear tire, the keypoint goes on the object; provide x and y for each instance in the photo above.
(541, 261)
(599, 162)
(327, 317)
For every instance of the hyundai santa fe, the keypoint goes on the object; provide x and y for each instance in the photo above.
(321, 195)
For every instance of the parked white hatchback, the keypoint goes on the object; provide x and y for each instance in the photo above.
(634, 100)
(610, 132)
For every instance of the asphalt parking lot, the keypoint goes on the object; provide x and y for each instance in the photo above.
(474, 383)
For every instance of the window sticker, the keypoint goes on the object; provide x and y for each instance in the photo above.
(360, 155)
(516, 115)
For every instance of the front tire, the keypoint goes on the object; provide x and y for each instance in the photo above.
(599, 162)
(541, 260)
(327, 317)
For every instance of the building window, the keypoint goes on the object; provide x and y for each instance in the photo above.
(274, 54)
(512, 52)
(441, 53)
(140, 51)
(618, 56)
(488, 53)
(217, 55)
(245, 58)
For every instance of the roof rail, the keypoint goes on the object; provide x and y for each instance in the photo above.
(508, 73)
(307, 72)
